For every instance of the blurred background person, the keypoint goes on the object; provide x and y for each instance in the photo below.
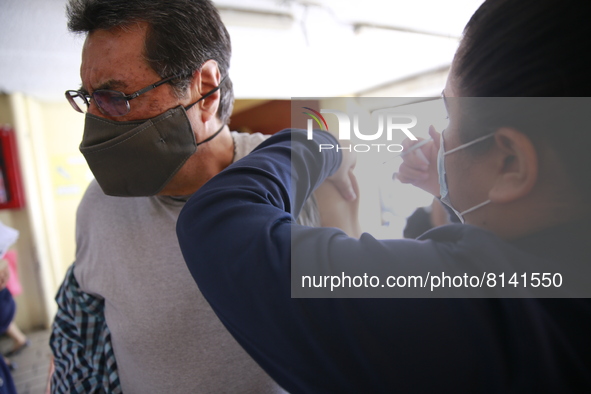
(7, 311)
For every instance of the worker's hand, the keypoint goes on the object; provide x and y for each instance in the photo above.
(419, 167)
(342, 178)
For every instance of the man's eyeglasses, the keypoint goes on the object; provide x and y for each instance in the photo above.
(110, 102)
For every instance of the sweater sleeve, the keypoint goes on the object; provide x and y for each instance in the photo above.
(237, 233)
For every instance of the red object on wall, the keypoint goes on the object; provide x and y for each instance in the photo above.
(11, 186)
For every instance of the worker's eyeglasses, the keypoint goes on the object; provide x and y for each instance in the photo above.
(110, 102)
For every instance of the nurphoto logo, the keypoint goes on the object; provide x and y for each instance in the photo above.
(388, 125)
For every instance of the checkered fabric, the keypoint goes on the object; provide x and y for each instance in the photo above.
(81, 343)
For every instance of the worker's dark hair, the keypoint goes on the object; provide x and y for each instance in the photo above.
(530, 48)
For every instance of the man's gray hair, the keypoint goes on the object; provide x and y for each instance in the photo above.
(181, 36)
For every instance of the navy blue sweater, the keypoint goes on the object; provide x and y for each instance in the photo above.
(236, 235)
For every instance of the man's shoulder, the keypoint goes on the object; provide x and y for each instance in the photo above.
(98, 210)
(93, 189)
(94, 195)
(92, 199)
(244, 143)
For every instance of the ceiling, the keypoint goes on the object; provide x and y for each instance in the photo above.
(281, 48)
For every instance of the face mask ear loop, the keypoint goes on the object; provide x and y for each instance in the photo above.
(457, 148)
(445, 198)
(475, 207)
(212, 91)
(211, 137)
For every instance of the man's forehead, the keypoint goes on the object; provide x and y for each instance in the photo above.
(112, 59)
(127, 42)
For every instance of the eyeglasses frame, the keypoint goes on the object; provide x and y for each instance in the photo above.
(126, 97)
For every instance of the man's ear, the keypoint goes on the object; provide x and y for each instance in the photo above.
(517, 166)
(203, 82)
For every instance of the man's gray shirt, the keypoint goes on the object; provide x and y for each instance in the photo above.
(165, 336)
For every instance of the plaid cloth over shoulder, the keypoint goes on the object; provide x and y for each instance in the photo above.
(81, 343)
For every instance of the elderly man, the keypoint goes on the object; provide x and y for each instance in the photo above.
(157, 97)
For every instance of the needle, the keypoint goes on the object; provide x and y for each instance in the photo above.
(409, 150)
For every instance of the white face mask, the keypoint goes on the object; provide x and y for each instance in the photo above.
(443, 190)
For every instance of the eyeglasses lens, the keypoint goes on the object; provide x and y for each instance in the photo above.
(111, 102)
(76, 101)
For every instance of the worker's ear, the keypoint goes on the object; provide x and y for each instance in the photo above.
(516, 166)
(204, 81)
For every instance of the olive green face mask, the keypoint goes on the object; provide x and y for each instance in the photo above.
(138, 158)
